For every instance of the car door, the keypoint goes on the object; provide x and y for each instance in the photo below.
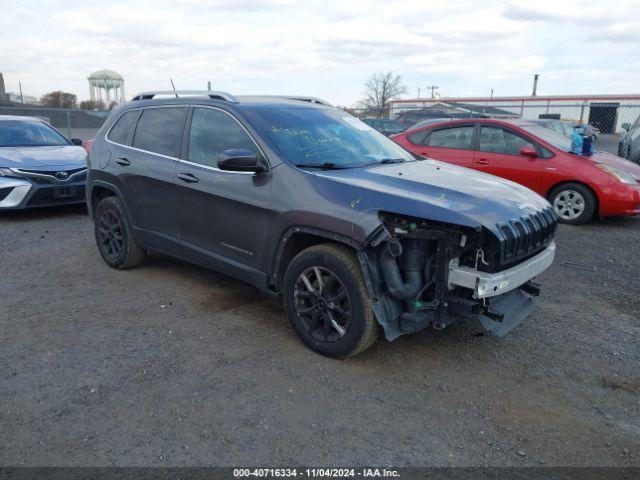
(498, 153)
(451, 144)
(222, 214)
(146, 168)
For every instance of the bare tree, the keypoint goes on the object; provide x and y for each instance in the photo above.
(59, 99)
(380, 88)
(92, 105)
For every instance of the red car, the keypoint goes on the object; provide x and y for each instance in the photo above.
(579, 187)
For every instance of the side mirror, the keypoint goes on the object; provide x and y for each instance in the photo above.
(241, 160)
(76, 141)
(626, 126)
(528, 152)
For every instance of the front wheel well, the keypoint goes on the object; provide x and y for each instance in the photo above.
(292, 246)
(568, 182)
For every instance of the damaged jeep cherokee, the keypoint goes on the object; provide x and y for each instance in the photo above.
(301, 199)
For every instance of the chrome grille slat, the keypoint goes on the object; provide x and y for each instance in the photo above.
(49, 177)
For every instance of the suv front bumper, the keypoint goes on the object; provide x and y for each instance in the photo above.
(486, 285)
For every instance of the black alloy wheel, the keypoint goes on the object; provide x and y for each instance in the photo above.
(323, 304)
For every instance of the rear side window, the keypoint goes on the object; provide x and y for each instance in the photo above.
(159, 130)
(497, 140)
(122, 128)
(213, 132)
(458, 137)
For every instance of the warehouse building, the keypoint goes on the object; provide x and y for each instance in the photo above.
(607, 112)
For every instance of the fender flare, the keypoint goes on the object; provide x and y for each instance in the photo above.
(318, 232)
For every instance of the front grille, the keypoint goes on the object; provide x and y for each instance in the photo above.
(45, 196)
(524, 236)
(44, 177)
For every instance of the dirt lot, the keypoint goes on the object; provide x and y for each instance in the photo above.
(171, 364)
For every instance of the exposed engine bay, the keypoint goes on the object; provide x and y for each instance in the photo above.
(422, 274)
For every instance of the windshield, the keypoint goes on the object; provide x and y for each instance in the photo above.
(554, 138)
(323, 137)
(16, 133)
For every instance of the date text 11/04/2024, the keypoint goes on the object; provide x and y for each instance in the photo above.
(316, 472)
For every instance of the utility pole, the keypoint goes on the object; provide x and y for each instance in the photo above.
(21, 98)
(535, 84)
(433, 89)
(492, 94)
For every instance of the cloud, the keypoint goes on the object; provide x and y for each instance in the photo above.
(325, 48)
(518, 12)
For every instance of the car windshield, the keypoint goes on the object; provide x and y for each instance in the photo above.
(325, 137)
(554, 138)
(16, 133)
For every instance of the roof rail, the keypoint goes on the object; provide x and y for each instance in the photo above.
(305, 99)
(213, 94)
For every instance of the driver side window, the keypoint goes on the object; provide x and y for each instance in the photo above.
(213, 132)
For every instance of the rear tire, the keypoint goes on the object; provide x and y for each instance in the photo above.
(574, 203)
(326, 301)
(114, 236)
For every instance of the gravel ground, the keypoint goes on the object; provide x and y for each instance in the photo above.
(171, 364)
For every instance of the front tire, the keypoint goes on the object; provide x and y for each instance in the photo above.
(114, 236)
(574, 203)
(326, 301)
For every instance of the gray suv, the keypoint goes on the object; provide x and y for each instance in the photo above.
(303, 200)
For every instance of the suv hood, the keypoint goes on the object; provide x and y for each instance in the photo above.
(438, 191)
(39, 157)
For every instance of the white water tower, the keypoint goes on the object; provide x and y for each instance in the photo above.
(106, 86)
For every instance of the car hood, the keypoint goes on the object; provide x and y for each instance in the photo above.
(615, 161)
(438, 191)
(42, 157)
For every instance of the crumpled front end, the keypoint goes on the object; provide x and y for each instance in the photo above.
(422, 273)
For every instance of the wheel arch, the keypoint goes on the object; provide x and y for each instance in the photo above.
(297, 239)
(578, 182)
(106, 189)
(99, 191)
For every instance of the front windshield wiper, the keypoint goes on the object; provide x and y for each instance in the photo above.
(391, 160)
(324, 165)
(384, 161)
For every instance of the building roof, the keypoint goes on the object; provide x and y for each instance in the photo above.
(486, 110)
(105, 74)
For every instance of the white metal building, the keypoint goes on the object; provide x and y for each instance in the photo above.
(609, 112)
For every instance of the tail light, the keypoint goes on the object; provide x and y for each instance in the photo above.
(87, 145)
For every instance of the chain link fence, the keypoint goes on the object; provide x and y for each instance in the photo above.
(73, 123)
(608, 117)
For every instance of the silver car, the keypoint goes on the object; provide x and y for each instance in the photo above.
(629, 145)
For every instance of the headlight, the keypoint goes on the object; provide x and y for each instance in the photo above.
(618, 173)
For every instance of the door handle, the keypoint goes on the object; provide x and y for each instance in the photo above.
(482, 161)
(188, 177)
(124, 161)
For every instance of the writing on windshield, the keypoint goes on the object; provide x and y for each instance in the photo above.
(325, 137)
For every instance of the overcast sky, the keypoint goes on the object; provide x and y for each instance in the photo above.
(323, 48)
